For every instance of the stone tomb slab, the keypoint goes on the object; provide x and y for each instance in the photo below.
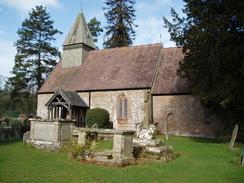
(122, 146)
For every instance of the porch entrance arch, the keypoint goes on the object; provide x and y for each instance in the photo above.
(67, 105)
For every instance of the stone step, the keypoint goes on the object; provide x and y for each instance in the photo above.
(103, 155)
(145, 142)
(158, 150)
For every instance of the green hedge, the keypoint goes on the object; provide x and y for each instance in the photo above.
(97, 116)
(13, 114)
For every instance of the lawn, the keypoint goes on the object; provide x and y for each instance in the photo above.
(200, 161)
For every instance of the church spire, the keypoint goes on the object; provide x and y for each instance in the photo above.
(77, 44)
(79, 33)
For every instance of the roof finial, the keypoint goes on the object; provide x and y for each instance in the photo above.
(81, 6)
(160, 38)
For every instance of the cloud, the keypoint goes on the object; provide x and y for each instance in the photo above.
(7, 50)
(153, 5)
(24, 6)
(149, 18)
(150, 30)
(7, 53)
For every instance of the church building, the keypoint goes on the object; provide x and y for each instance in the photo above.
(135, 84)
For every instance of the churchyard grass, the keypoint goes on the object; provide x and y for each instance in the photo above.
(201, 161)
(104, 145)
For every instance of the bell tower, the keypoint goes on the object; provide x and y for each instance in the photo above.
(77, 44)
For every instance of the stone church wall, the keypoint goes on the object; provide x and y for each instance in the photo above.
(108, 100)
(42, 99)
(85, 97)
(136, 99)
(183, 115)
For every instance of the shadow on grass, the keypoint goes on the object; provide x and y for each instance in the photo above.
(10, 142)
(203, 140)
(194, 139)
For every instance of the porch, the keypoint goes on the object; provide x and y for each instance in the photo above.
(67, 105)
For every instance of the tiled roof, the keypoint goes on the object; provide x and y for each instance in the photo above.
(71, 97)
(118, 68)
(167, 81)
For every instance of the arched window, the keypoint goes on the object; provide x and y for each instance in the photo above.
(122, 107)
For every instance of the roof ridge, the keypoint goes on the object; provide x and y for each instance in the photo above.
(175, 47)
(126, 47)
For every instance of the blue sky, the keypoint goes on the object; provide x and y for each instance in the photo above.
(149, 15)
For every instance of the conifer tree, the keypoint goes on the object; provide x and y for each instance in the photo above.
(212, 36)
(36, 55)
(95, 28)
(120, 15)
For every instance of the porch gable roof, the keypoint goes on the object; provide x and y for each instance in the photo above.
(71, 97)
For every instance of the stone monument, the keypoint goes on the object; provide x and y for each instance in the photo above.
(233, 137)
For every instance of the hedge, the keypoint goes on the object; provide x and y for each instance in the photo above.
(97, 116)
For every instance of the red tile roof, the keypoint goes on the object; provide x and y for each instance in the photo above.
(167, 81)
(118, 68)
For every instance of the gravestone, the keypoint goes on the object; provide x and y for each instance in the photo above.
(166, 135)
(26, 137)
(82, 137)
(233, 137)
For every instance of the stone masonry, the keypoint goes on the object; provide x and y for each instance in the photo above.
(136, 109)
(42, 110)
(183, 115)
(122, 152)
(50, 134)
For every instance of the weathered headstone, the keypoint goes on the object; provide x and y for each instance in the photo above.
(166, 135)
(82, 137)
(146, 133)
(233, 137)
(26, 137)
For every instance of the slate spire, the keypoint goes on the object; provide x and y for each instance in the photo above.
(79, 33)
(77, 43)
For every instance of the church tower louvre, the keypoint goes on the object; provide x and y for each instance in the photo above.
(77, 44)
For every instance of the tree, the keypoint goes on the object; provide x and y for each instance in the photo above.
(95, 28)
(2, 82)
(212, 37)
(120, 15)
(36, 56)
(4, 97)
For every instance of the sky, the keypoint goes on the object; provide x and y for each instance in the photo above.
(149, 15)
